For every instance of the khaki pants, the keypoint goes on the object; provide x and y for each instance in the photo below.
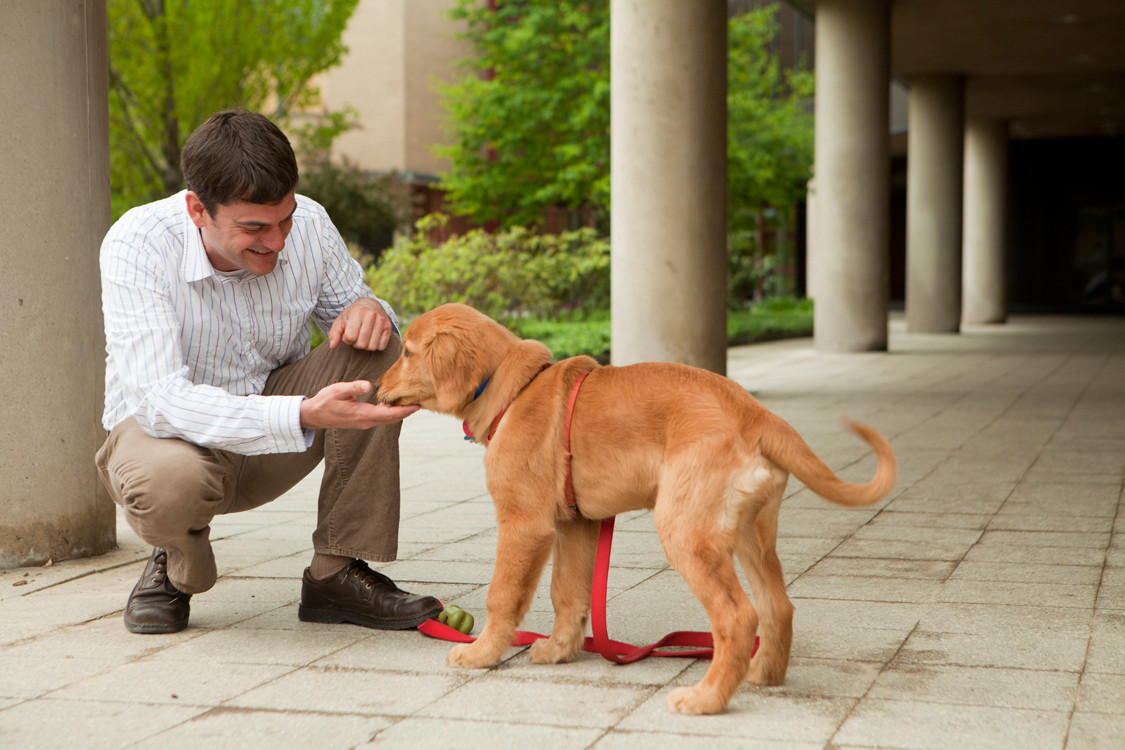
(171, 489)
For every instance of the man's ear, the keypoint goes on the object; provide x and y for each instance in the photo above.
(196, 211)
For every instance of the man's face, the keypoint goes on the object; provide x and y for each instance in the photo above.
(244, 236)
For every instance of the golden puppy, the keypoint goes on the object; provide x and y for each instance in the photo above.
(707, 458)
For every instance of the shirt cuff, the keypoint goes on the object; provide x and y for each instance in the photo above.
(284, 414)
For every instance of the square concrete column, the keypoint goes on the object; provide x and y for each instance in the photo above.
(934, 170)
(54, 207)
(984, 286)
(849, 266)
(668, 161)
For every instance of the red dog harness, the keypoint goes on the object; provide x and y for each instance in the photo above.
(568, 487)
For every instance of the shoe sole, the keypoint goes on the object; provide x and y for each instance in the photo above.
(154, 629)
(334, 616)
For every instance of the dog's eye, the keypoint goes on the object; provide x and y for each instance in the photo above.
(405, 352)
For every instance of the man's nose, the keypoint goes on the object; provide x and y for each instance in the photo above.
(274, 239)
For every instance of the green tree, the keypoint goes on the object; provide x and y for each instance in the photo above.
(769, 120)
(529, 120)
(769, 147)
(367, 208)
(175, 62)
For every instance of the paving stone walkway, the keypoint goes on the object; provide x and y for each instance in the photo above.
(982, 605)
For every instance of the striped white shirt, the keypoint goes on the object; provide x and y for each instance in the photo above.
(189, 348)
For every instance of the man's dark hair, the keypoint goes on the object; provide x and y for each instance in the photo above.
(238, 155)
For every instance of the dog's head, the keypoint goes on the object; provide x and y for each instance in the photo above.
(447, 353)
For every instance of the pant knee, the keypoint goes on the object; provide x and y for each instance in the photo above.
(166, 494)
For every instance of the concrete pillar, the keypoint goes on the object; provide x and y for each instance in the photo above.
(812, 266)
(54, 207)
(668, 130)
(934, 184)
(984, 286)
(852, 221)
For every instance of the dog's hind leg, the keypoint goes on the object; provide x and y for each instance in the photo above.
(702, 553)
(757, 551)
(571, 576)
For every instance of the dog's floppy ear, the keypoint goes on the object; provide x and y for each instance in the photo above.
(456, 368)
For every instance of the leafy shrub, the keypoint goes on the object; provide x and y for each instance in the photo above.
(570, 336)
(505, 275)
(750, 271)
(367, 209)
(567, 336)
(772, 318)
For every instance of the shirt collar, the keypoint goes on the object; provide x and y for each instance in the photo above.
(195, 266)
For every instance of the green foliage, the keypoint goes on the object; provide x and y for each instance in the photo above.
(511, 273)
(529, 121)
(769, 122)
(568, 336)
(173, 63)
(772, 318)
(367, 209)
(769, 151)
(748, 270)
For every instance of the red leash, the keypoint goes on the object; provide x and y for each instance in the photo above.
(700, 644)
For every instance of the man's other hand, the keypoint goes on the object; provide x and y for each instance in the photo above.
(338, 405)
(363, 324)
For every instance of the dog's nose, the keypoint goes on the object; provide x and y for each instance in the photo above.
(377, 397)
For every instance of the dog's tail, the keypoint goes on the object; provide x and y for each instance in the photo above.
(785, 447)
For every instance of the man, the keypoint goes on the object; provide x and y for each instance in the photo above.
(214, 403)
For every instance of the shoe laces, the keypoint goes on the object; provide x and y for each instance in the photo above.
(159, 567)
(159, 577)
(369, 577)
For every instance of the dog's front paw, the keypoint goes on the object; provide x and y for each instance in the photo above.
(470, 656)
(550, 651)
(693, 700)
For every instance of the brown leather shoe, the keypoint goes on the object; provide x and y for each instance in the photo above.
(359, 595)
(156, 606)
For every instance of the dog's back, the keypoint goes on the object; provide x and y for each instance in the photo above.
(630, 423)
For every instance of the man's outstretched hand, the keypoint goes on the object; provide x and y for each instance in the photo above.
(338, 405)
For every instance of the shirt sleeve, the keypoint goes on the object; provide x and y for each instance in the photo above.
(144, 352)
(344, 279)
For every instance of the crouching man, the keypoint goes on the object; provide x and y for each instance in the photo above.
(215, 404)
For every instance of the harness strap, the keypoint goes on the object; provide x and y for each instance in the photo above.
(571, 503)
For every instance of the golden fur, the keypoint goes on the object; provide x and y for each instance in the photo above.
(707, 458)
